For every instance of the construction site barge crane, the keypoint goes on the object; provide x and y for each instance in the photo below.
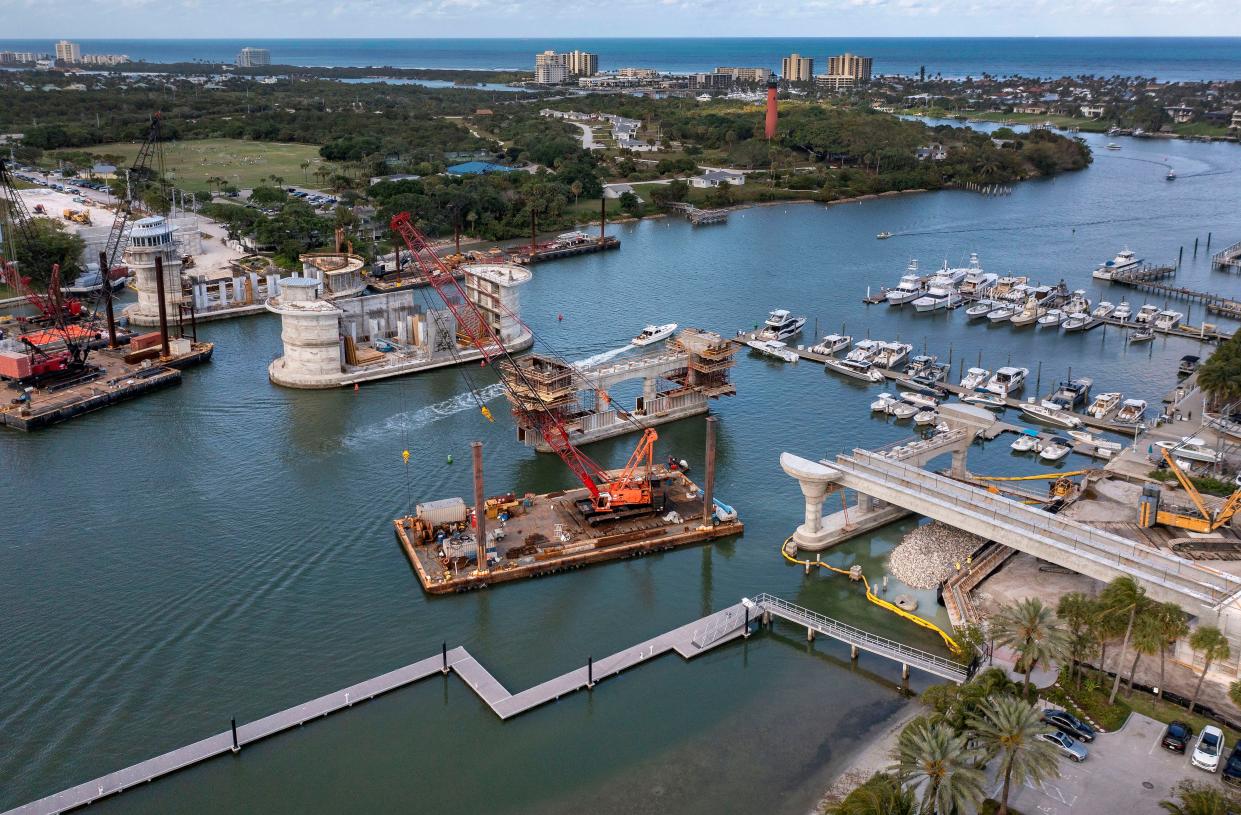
(630, 493)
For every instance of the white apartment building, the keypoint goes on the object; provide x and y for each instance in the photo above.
(755, 75)
(253, 57)
(69, 52)
(549, 69)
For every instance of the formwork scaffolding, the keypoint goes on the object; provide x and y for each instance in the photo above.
(709, 360)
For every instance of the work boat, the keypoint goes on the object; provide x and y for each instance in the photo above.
(910, 288)
(1131, 411)
(1125, 261)
(1007, 380)
(892, 354)
(975, 378)
(980, 309)
(1190, 448)
(1050, 413)
(831, 344)
(781, 325)
(653, 334)
(1104, 404)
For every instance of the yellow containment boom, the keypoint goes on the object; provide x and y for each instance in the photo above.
(1040, 477)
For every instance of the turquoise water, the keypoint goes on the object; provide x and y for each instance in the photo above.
(1168, 58)
(224, 548)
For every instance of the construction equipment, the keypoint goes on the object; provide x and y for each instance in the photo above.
(18, 228)
(1204, 521)
(76, 216)
(630, 493)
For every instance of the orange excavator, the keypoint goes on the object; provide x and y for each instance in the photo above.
(634, 491)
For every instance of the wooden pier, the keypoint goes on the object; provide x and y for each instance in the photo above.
(1145, 279)
(1228, 259)
(688, 641)
(700, 217)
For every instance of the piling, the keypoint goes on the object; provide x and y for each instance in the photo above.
(590, 672)
(480, 507)
(163, 307)
(603, 216)
(1195, 247)
(105, 274)
(236, 747)
(1038, 378)
(809, 634)
(853, 652)
(1208, 241)
(444, 655)
(708, 484)
(1179, 257)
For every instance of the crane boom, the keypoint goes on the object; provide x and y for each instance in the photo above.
(125, 204)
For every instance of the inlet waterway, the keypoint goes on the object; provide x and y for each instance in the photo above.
(224, 549)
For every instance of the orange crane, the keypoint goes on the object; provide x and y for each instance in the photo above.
(1205, 521)
(630, 493)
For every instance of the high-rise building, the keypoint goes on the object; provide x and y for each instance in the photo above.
(253, 57)
(8, 58)
(757, 75)
(549, 69)
(69, 52)
(796, 68)
(580, 63)
(850, 65)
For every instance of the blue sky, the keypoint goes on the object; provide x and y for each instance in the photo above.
(632, 18)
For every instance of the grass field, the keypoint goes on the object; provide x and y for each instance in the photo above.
(243, 164)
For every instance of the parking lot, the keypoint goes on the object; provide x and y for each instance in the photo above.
(1127, 772)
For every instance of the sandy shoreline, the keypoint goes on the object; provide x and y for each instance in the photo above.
(876, 756)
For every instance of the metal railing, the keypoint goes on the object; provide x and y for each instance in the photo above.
(882, 646)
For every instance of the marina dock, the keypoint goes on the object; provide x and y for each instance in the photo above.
(1227, 259)
(690, 640)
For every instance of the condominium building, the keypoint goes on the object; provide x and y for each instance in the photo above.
(580, 63)
(549, 69)
(850, 65)
(253, 57)
(105, 59)
(835, 82)
(8, 58)
(69, 52)
(796, 68)
(756, 75)
(638, 73)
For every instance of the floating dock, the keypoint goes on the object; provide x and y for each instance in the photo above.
(544, 253)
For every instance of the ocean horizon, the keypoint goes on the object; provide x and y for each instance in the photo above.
(1164, 58)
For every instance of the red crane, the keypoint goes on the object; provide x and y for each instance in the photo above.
(608, 496)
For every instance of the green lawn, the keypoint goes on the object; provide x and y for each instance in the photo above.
(244, 164)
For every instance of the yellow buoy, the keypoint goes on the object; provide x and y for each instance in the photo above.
(487, 414)
(405, 456)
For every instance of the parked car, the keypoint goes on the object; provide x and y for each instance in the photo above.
(1176, 738)
(1069, 723)
(1208, 749)
(1232, 768)
(1066, 744)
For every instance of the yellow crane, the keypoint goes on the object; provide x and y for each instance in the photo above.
(1204, 521)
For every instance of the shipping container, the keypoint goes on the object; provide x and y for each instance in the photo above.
(443, 511)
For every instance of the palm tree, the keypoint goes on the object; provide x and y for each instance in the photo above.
(941, 763)
(1147, 639)
(1032, 630)
(881, 794)
(304, 166)
(1212, 644)
(1009, 728)
(1122, 597)
(1077, 611)
(1172, 626)
(576, 189)
(1196, 798)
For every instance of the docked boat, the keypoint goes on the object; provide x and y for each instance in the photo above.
(1146, 313)
(940, 293)
(1168, 320)
(926, 417)
(975, 378)
(1123, 311)
(1055, 448)
(910, 288)
(1007, 380)
(1001, 314)
(1189, 364)
(1050, 413)
(1102, 310)
(1085, 437)
(1051, 318)
(920, 400)
(831, 344)
(1076, 322)
(892, 354)
(91, 281)
(781, 325)
(1005, 286)
(980, 309)
(1132, 411)
(1025, 442)
(987, 400)
(1077, 303)
(1143, 334)
(774, 349)
(1125, 261)
(1104, 404)
(925, 370)
(1191, 449)
(1071, 392)
(976, 282)
(1029, 313)
(880, 405)
(861, 369)
(653, 334)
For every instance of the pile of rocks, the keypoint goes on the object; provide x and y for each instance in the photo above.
(928, 555)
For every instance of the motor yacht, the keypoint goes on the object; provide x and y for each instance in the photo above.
(1007, 380)
(1050, 413)
(653, 334)
(774, 349)
(941, 293)
(1072, 392)
(1191, 449)
(1131, 411)
(910, 288)
(978, 283)
(1146, 313)
(892, 354)
(781, 325)
(926, 370)
(975, 378)
(1104, 404)
(1124, 261)
(861, 369)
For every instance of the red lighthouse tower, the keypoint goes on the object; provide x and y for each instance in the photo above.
(772, 113)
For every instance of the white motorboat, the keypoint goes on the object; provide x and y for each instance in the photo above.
(1104, 404)
(891, 354)
(1123, 311)
(937, 296)
(1168, 320)
(1144, 334)
(920, 400)
(976, 282)
(1075, 322)
(980, 309)
(926, 417)
(900, 410)
(1005, 287)
(1146, 313)
(1171, 176)
(1104, 309)
(781, 325)
(987, 400)
(910, 288)
(1077, 303)
(1190, 448)
(975, 378)
(1055, 448)
(1071, 392)
(1051, 318)
(864, 351)
(1024, 443)
(1124, 261)
(1029, 313)
(1098, 443)
(1050, 414)
(856, 368)
(926, 371)
(831, 344)
(1001, 314)
(1131, 411)
(1007, 380)
(653, 334)
(883, 236)
(1113, 146)
(774, 349)
(880, 405)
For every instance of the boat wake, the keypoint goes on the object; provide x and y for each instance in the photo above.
(429, 414)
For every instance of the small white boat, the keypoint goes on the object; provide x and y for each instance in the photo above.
(831, 344)
(1171, 176)
(1113, 146)
(1146, 313)
(1055, 449)
(980, 309)
(774, 349)
(880, 405)
(1085, 437)
(653, 334)
(1168, 320)
(975, 378)
(1007, 380)
(1191, 449)
(892, 354)
(1143, 334)
(987, 400)
(1024, 443)
(781, 325)
(883, 236)
(1104, 404)
(1075, 322)
(901, 411)
(1123, 311)
(1104, 309)
(920, 400)
(1051, 318)
(1050, 414)
(926, 417)
(1131, 411)
(1001, 314)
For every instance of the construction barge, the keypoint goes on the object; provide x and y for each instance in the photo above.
(543, 534)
